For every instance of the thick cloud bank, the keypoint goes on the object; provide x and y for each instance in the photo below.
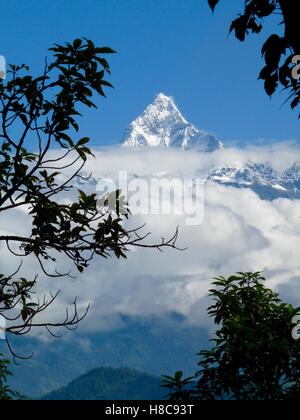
(240, 232)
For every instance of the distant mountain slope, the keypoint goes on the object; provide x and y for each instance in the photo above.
(163, 125)
(111, 384)
(153, 345)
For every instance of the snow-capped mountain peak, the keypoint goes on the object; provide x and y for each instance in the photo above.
(268, 183)
(163, 125)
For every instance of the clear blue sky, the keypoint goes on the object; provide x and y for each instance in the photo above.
(174, 46)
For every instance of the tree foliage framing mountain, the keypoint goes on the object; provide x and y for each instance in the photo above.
(254, 355)
(280, 51)
(41, 154)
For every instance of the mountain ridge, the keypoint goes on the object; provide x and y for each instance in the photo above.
(109, 383)
(163, 125)
(57, 363)
(261, 178)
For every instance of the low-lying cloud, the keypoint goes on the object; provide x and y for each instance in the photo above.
(240, 232)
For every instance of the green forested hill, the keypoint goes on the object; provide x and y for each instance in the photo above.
(111, 384)
(153, 345)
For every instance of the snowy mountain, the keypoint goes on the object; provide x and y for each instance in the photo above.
(163, 125)
(261, 178)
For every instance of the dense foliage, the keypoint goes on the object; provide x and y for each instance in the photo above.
(254, 356)
(6, 393)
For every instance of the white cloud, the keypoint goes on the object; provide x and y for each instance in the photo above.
(240, 233)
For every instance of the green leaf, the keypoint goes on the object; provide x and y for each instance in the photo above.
(178, 376)
(213, 4)
(105, 50)
(77, 43)
(83, 141)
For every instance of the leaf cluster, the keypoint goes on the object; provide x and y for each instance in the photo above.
(279, 49)
(253, 354)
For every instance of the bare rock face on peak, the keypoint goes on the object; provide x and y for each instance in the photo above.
(163, 125)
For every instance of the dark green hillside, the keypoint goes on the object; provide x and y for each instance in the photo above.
(111, 384)
(153, 345)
